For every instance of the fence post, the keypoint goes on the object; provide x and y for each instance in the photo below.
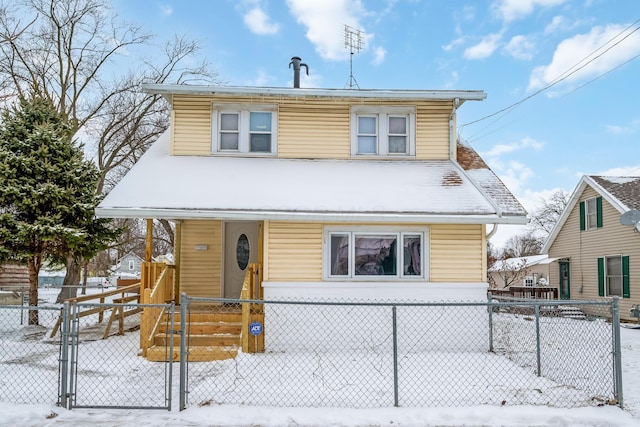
(490, 308)
(617, 351)
(172, 312)
(73, 320)
(184, 302)
(64, 355)
(395, 357)
(538, 338)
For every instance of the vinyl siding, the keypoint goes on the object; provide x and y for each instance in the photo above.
(458, 253)
(294, 252)
(191, 130)
(583, 248)
(200, 271)
(307, 128)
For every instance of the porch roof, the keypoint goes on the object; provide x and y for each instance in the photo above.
(259, 188)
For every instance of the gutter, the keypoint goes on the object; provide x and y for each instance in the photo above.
(172, 213)
(441, 95)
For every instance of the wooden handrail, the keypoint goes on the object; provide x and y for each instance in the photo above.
(96, 310)
(156, 287)
(252, 312)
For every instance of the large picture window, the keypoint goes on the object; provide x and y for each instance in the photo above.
(236, 129)
(375, 254)
(382, 131)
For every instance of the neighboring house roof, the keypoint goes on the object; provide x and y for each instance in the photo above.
(163, 186)
(529, 261)
(439, 95)
(622, 192)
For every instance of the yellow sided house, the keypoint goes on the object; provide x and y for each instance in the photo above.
(597, 243)
(327, 193)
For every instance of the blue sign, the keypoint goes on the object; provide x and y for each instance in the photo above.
(255, 328)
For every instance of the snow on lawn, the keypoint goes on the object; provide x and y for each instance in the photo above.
(118, 365)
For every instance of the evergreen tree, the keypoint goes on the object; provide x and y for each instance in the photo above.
(47, 192)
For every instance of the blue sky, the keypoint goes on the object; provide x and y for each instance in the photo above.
(574, 63)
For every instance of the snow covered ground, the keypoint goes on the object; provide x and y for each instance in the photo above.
(235, 415)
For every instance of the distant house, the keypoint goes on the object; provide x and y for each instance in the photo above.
(127, 266)
(51, 277)
(526, 271)
(598, 257)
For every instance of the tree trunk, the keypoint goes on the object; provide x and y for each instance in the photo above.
(71, 281)
(84, 277)
(34, 268)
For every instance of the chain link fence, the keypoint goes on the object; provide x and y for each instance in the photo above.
(29, 359)
(314, 354)
(336, 354)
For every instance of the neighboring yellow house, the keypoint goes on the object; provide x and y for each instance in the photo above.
(336, 193)
(599, 257)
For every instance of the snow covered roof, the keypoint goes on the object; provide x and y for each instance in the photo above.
(621, 192)
(528, 261)
(174, 187)
(438, 95)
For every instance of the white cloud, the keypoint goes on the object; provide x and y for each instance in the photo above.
(454, 43)
(556, 23)
(619, 171)
(579, 53)
(520, 47)
(500, 149)
(259, 22)
(262, 79)
(630, 128)
(510, 10)
(378, 55)
(325, 22)
(485, 48)
(166, 9)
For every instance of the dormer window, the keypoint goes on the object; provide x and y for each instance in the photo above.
(382, 131)
(244, 129)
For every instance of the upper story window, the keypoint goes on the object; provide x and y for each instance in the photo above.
(591, 213)
(132, 264)
(375, 253)
(382, 131)
(244, 129)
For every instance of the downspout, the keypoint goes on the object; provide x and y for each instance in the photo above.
(493, 231)
(452, 139)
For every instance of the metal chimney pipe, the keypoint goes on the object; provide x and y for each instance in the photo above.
(297, 63)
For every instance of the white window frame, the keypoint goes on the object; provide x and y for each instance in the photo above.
(528, 281)
(132, 264)
(244, 113)
(352, 231)
(382, 115)
(607, 276)
(590, 214)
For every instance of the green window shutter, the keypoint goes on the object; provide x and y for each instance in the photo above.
(601, 277)
(625, 277)
(599, 212)
(582, 220)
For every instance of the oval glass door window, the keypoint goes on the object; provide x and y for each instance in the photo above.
(243, 251)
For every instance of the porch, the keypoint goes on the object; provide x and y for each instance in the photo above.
(527, 292)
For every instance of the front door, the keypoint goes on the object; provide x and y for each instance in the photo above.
(565, 285)
(241, 249)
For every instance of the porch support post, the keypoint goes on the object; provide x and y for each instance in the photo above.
(149, 241)
(177, 243)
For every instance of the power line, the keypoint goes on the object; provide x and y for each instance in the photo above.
(568, 73)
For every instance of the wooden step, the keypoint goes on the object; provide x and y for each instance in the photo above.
(210, 317)
(200, 328)
(207, 340)
(196, 353)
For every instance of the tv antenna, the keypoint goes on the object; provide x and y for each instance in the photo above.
(353, 41)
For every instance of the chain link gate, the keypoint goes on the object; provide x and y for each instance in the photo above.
(111, 373)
